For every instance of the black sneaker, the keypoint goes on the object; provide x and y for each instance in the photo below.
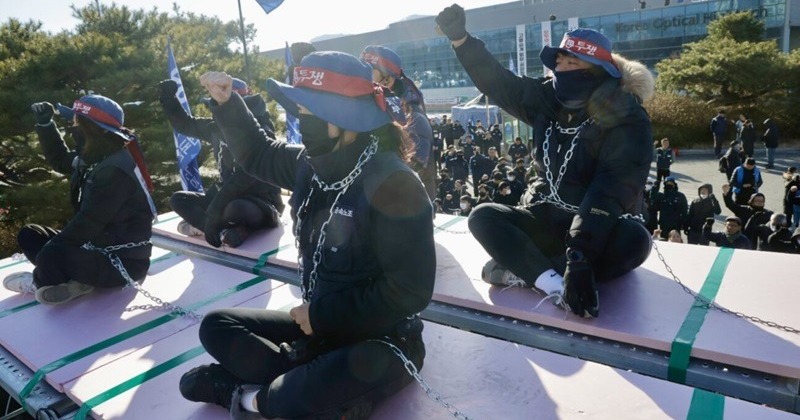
(209, 384)
(235, 236)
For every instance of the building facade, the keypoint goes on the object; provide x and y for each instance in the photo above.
(515, 32)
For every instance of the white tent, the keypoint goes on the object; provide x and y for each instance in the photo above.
(478, 108)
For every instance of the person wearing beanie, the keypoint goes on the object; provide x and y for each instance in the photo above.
(364, 230)
(593, 149)
(110, 194)
(387, 69)
(239, 203)
(671, 206)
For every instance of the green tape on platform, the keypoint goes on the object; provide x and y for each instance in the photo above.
(684, 340)
(80, 354)
(445, 225)
(706, 406)
(13, 264)
(262, 260)
(16, 309)
(137, 380)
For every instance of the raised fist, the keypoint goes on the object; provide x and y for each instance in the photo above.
(218, 84)
(43, 111)
(452, 22)
(167, 88)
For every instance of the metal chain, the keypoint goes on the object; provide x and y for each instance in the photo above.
(429, 391)
(713, 305)
(554, 198)
(458, 232)
(117, 263)
(342, 186)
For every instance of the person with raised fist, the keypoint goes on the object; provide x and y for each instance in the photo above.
(593, 138)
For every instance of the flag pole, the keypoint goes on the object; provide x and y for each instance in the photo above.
(244, 44)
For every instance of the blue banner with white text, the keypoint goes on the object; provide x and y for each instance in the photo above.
(187, 148)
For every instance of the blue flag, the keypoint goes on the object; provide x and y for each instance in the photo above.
(187, 148)
(292, 124)
(269, 5)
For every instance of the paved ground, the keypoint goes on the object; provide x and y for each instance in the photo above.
(695, 168)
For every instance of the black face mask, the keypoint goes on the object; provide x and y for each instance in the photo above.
(315, 135)
(574, 87)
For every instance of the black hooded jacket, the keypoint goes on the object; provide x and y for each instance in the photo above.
(234, 181)
(612, 158)
(111, 207)
(369, 278)
(701, 209)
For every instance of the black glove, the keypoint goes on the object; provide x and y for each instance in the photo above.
(709, 221)
(167, 89)
(580, 290)
(43, 111)
(212, 231)
(452, 21)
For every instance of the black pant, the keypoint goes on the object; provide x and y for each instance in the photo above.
(245, 342)
(661, 173)
(191, 206)
(525, 242)
(57, 262)
(718, 140)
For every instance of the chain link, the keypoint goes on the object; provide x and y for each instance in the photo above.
(429, 391)
(342, 186)
(706, 303)
(117, 263)
(553, 197)
(457, 232)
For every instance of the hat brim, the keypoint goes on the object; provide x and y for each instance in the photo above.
(114, 130)
(548, 57)
(359, 114)
(65, 112)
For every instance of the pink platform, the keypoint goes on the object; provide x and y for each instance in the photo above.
(647, 307)
(644, 308)
(484, 377)
(105, 314)
(277, 242)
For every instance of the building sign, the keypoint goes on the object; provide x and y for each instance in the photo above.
(522, 55)
(683, 20)
(572, 23)
(547, 41)
(442, 101)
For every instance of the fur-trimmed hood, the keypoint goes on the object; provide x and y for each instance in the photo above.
(636, 78)
(619, 101)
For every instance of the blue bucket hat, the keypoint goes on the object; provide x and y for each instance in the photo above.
(588, 45)
(102, 111)
(384, 60)
(337, 87)
(240, 86)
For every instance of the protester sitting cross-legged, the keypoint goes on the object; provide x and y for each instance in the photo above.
(364, 227)
(110, 194)
(593, 155)
(239, 203)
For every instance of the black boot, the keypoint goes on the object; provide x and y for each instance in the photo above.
(209, 384)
